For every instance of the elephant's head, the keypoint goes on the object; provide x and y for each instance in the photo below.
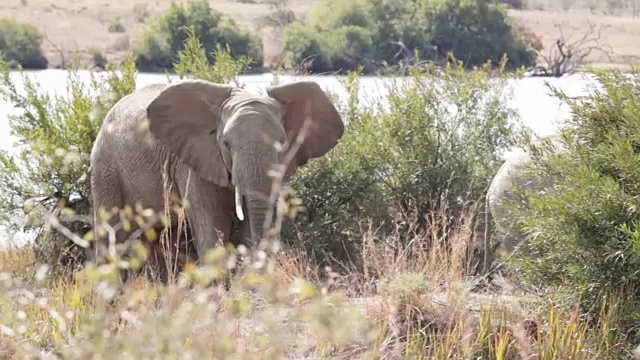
(233, 138)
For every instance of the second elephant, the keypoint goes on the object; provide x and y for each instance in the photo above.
(502, 194)
(216, 143)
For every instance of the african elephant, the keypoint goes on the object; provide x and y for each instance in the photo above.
(501, 193)
(216, 143)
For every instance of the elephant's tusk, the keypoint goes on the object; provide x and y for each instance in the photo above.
(239, 205)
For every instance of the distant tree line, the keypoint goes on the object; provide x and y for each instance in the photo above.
(338, 36)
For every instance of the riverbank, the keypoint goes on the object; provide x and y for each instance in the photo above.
(100, 28)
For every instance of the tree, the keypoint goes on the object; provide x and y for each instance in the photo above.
(164, 39)
(343, 36)
(568, 54)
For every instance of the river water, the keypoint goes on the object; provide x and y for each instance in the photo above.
(531, 98)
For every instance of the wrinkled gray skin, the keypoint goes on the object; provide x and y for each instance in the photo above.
(501, 193)
(218, 142)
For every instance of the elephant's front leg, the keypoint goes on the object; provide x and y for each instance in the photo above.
(209, 211)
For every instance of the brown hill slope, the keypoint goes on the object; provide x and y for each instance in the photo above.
(84, 25)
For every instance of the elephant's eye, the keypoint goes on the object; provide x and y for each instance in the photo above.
(212, 132)
(226, 144)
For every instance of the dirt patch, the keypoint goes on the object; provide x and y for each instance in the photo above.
(84, 26)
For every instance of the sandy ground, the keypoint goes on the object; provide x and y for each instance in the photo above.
(83, 26)
(619, 36)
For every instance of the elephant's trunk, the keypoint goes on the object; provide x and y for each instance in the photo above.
(253, 185)
(257, 208)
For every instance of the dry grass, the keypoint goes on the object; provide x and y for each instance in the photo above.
(84, 26)
(16, 260)
(406, 300)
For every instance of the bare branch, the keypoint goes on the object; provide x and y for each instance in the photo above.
(568, 55)
(59, 50)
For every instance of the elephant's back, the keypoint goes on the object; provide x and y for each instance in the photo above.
(131, 109)
(126, 147)
(509, 174)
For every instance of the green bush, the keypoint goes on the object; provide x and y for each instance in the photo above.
(20, 45)
(339, 39)
(437, 143)
(304, 44)
(476, 31)
(49, 172)
(342, 36)
(585, 233)
(164, 39)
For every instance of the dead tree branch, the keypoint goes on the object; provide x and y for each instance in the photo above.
(568, 54)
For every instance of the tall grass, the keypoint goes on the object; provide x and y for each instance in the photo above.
(423, 306)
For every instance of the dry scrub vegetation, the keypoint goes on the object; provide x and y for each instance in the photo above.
(423, 306)
(408, 286)
(111, 29)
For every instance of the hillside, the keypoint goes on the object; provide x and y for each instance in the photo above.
(84, 26)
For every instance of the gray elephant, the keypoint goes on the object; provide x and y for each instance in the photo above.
(502, 194)
(216, 143)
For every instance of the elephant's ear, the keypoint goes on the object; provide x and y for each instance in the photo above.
(183, 117)
(306, 101)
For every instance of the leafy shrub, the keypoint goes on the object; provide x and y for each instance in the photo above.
(438, 142)
(165, 38)
(476, 31)
(344, 35)
(49, 172)
(305, 44)
(584, 231)
(401, 30)
(20, 45)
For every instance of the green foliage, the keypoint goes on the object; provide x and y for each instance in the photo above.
(54, 134)
(342, 36)
(303, 43)
(20, 45)
(164, 39)
(447, 131)
(438, 141)
(193, 62)
(476, 31)
(586, 229)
